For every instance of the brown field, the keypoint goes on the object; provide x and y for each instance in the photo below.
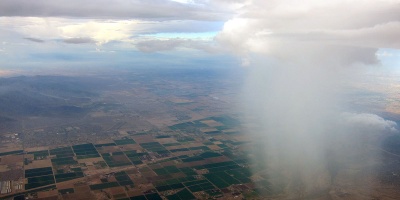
(181, 153)
(67, 184)
(166, 140)
(195, 144)
(138, 180)
(46, 194)
(209, 129)
(104, 141)
(135, 192)
(128, 147)
(168, 163)
(120, 158)
(32, 149)
(10, 147)
(218, 159)
(12, 160)
(175, 147)
(116, 190)
(4, 168)
(38, 164)
(90, 160)
(13, 174)
(143, 138)
(211, 123)
(214, 147)
(107, 149)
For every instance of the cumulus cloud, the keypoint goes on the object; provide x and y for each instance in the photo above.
(367, 123)
(266, 26)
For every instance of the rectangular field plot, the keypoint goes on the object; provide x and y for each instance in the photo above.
(172, 169)
(172, 144)
(227, 178)
(204, 148)
(217, 181)
(66, 191)
(213, 132)
(179, 150)
(182, 126)
(83, 151)
(195, 182)
(226, 120)
(141, 197)
(213, 192)
(68, 176)
(181, 195)
(154, 147)
(134, 157)
(199, 124)
(116, 159)
(124, 141)
(62, 152)
(123, 178)
(240, 174)
(38, 172)
(221, 179)
(154, 196)
(199, 185)
(38, 155)
(39, 181)
(170, 187)
(11, 152)
(64, 161)
(209, 154)
(185, 139)
(166, 170)
(188, 171)
(192, 159)
(217, 167)
(105, 145)
(101, 186)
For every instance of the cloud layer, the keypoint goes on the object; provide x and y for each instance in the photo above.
(271, 27)
(35, 30)
(118, 9)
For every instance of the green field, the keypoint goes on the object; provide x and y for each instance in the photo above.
(102, 186)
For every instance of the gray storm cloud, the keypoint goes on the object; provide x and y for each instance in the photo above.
(139, 9)
(301, 55)
(34, 40)
(78, 40)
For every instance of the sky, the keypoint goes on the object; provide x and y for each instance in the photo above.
(95, 33)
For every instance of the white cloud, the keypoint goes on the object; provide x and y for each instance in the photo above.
(274, 27)
(102, 32)
(369, 123)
